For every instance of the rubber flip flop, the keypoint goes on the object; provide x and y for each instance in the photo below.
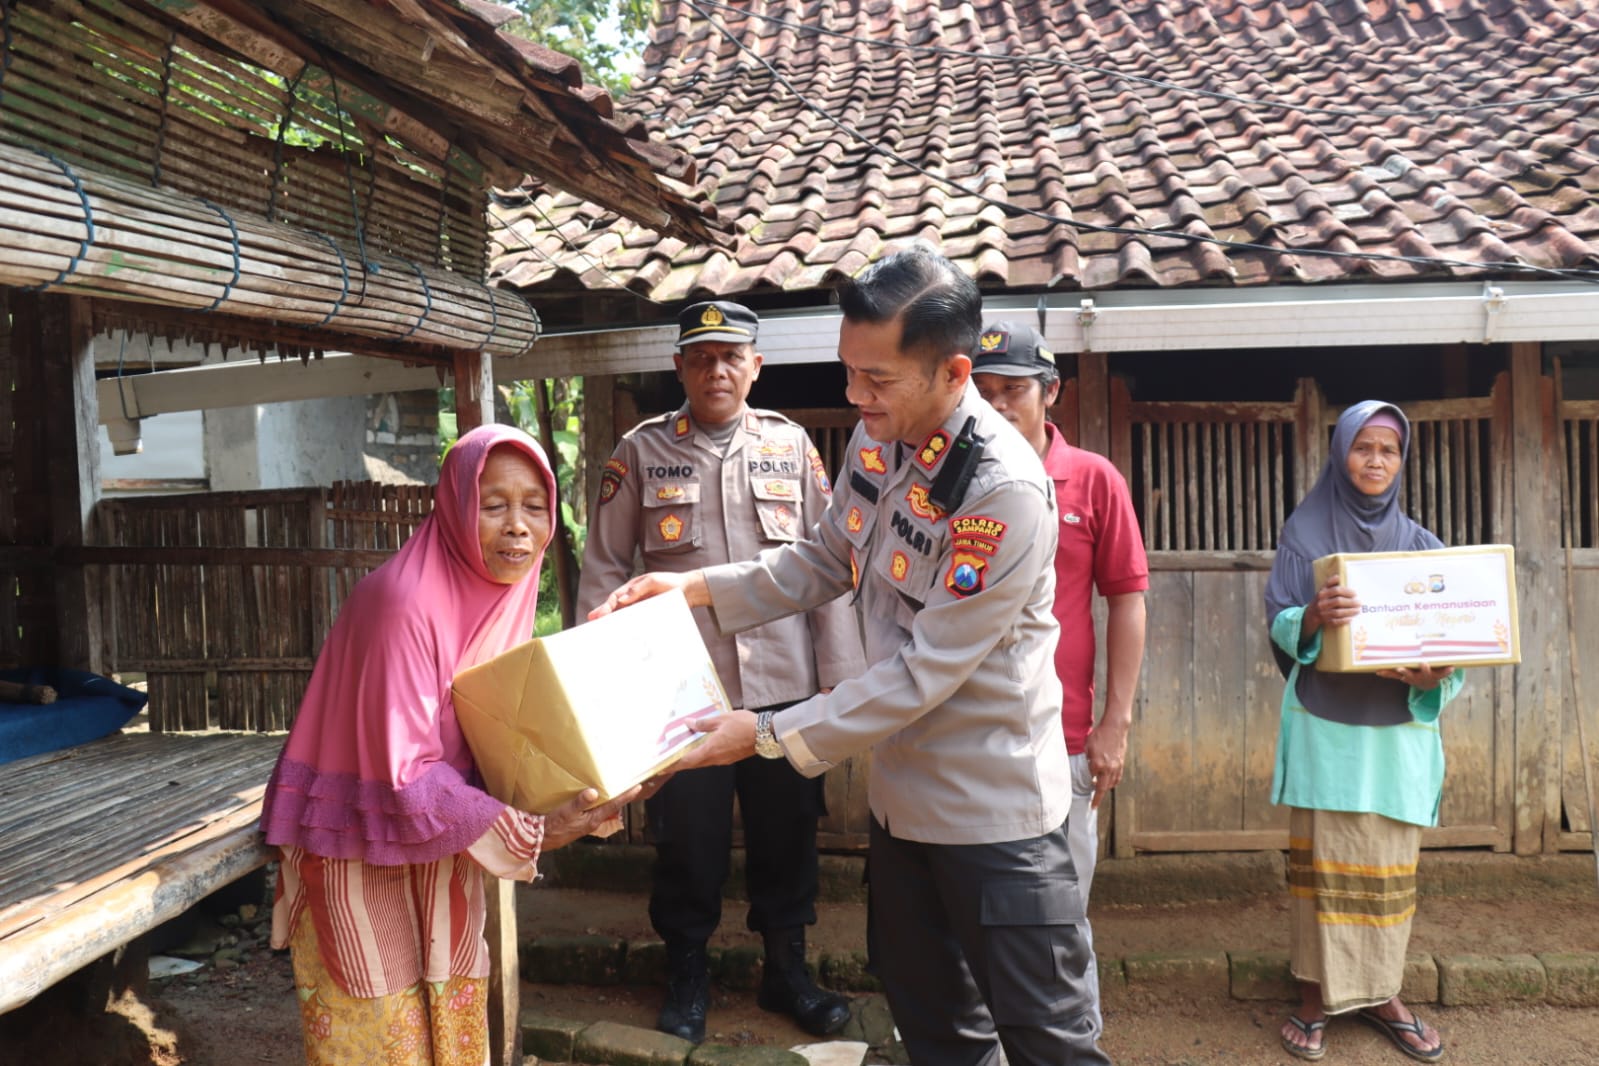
(1395, 1031)
(1310, 1029)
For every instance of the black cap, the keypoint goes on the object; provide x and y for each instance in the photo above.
(1013, 351)
(716, 320)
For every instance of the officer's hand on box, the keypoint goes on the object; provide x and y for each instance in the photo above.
(729, 738)
(647, 586)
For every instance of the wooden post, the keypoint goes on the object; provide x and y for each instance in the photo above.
(474, 406)
(565, 551)
(505, 1027)
(53, 344)
(474, 390)
(599, 431)
(1093, 402)
(1535, 535)
(1311, 427)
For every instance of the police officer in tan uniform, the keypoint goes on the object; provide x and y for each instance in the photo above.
(944, 529)
(714, 482)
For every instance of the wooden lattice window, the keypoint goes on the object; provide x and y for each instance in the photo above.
(1213, 476)
(1579, 425)
(1221, 476)
(1450, 477)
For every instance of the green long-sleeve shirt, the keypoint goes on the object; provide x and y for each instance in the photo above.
(1392, 770)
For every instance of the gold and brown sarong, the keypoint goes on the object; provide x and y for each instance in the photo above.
(1352, 887)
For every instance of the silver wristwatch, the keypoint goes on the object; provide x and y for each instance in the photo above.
(766, 745)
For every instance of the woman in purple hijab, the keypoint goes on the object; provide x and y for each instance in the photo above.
(1360, 760)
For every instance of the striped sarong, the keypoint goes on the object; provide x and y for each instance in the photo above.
(1352, 888)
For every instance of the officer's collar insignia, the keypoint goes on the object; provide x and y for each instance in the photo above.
(921, 506)
(872, 460)
(932, 448)
(711, 316)
(682, 427)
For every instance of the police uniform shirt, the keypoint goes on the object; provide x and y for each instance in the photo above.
(683, 500)
(960, 704)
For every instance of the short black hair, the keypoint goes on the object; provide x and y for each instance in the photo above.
(939, 307)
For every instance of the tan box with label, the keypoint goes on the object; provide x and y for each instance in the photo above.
(1448, 607)
(602, 705)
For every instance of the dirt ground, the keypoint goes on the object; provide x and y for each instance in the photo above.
(246, 1014)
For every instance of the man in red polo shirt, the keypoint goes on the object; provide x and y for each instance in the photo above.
(1100, 546)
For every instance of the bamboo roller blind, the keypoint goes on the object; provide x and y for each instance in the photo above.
(270, 188)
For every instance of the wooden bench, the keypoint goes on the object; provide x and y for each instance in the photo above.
(102, 842)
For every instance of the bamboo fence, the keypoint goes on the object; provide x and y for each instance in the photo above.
(222, 600)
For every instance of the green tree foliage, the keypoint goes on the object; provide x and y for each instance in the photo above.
(606, 36)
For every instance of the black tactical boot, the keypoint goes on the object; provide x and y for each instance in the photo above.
(688, 992)
(786, 986)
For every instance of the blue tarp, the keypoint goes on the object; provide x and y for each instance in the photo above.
(87, 707)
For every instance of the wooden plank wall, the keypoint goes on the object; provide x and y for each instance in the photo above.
(11, 638)
(1579, 537)
(1209, 480)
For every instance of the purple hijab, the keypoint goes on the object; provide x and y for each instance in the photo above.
(1335, 516)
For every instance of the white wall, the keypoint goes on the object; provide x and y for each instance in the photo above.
(286, 445)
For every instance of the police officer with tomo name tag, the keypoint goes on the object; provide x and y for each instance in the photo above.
(943, 529)
(714, 482)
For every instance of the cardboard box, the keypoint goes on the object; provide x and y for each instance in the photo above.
(1449, 607)
(602, 705)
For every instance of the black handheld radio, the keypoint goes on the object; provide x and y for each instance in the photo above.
(949, 487)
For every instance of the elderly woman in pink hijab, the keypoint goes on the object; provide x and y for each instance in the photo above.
(383, 825)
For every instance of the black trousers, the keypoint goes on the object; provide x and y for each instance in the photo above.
(978, 947)
(691, 820)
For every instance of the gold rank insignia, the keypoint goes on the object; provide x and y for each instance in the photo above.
(932, 448)
(899, 566)
(669, 492)
(872, 460)
(671, 528)
(682, 426)
(854, 571)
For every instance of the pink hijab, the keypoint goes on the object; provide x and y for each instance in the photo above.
(375, 767)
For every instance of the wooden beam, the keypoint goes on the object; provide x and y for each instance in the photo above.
(247, 381)
(232, 331)
(1537, 732)
(1093, 402)
(505, 977)
(47, 951)
(53, 341)
(474, 390)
